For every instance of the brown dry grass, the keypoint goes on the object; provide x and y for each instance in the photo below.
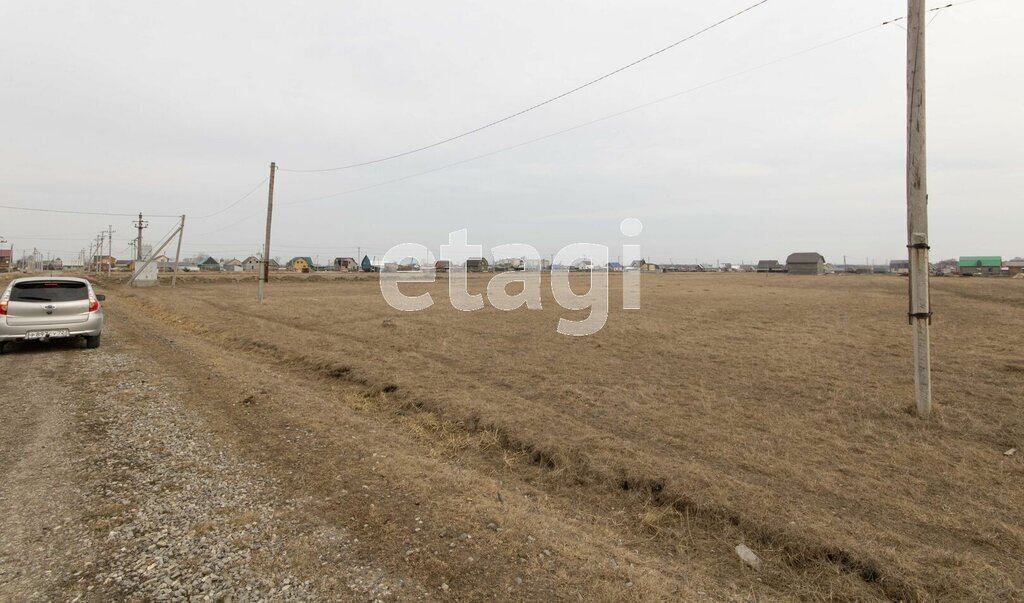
(776, 410)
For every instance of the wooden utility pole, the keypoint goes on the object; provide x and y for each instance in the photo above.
(177, 254)
(270, 216)
(920, 314)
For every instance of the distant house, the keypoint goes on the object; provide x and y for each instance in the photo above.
(805, 263)
(581, 265)
(346, 264)
(168, 266)
(981, 265)
(124, 265)
(509, 265)
(644, 266)
(161, 259)
(103, 262)
(251, 264)
(1014, 267)
(614, 267)
(899, 266)
(770, 266)
(748, 268)
(408, 265)
(301, 264)
(209, 264)
(477, 265)
(367, 266)
(536, 265)
(442, 265)
(232, 265)
(678, 267)
(6, 257)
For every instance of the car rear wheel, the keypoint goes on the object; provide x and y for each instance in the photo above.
(92, 342)
(3, 347)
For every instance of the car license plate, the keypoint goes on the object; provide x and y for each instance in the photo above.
(51, 334)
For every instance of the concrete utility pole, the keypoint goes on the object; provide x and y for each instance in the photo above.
(177, 254)
(110, 244)
(99, 249)
(140, 224)
(270, 216)
(140, 269)
(920, 314)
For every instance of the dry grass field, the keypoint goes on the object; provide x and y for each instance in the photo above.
(770, 410)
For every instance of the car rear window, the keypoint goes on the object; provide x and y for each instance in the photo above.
(49, 291)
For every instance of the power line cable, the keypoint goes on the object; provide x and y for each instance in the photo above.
(932, 10)
(588, 123)
(222, 228)
(540, 104)
(81, 213)
(95, 213)
(618, 114)
(243, 198)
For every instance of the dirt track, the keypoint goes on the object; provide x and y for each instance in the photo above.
(113, 488)
(210, 447)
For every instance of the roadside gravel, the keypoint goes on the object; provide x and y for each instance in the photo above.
(115, 492)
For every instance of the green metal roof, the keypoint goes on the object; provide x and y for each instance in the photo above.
(982, 261)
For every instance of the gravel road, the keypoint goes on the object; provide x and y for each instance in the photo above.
(109, 490)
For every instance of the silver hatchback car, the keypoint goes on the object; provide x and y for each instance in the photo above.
(47, 308)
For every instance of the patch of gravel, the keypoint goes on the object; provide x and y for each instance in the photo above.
(182, 519)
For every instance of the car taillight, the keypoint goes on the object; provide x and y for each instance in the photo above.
(94, 304)
(3, 307)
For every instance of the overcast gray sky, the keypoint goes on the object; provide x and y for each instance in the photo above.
(178, 107)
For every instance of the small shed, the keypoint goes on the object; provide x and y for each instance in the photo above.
(805, 263)
(442, 265)
(981, 265)
(1014, 267)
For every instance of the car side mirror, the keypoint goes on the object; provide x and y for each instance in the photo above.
(101, 297)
